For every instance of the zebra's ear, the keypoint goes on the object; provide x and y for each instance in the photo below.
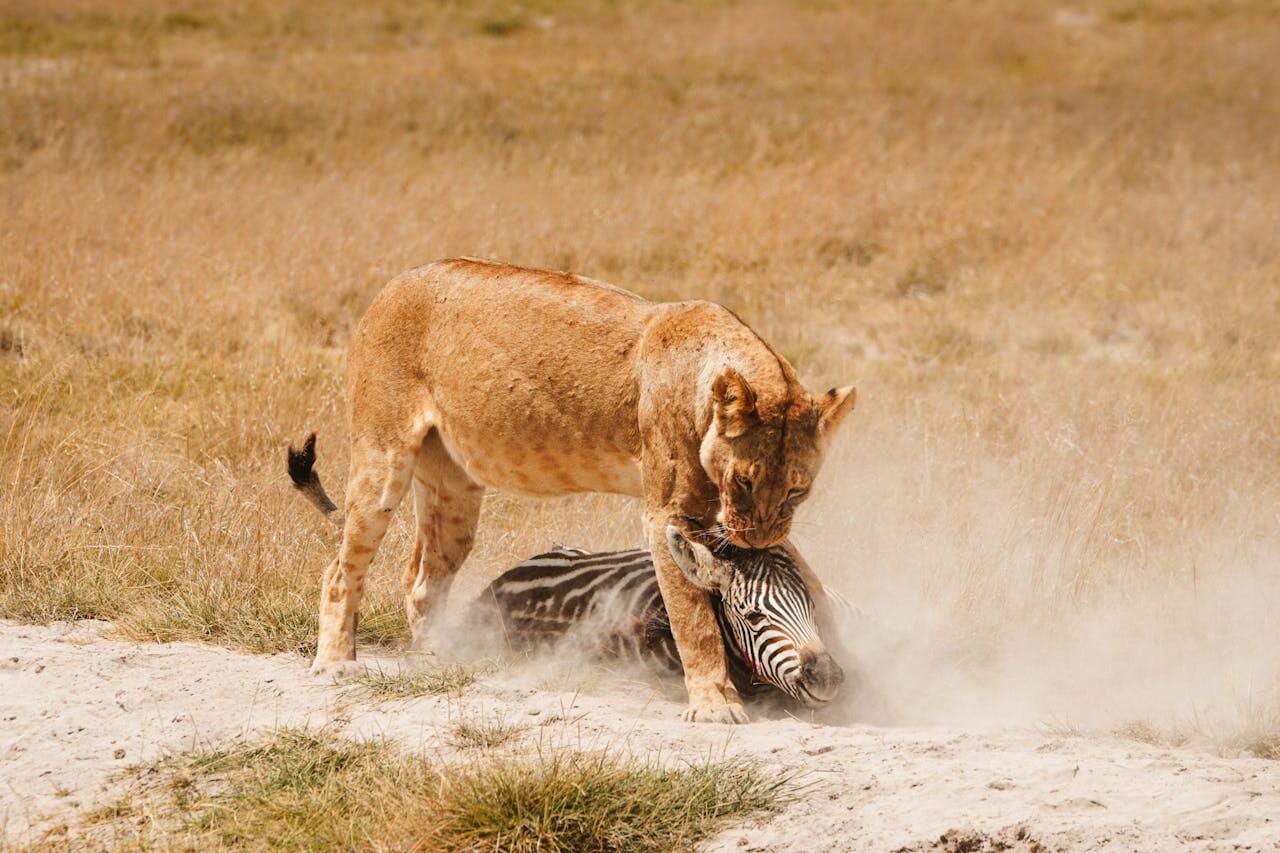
(696, 561)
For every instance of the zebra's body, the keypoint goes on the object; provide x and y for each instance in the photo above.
(611, 600)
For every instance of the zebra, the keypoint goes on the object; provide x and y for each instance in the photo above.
(611, 599)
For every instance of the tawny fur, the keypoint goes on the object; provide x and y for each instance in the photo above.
(465, 374)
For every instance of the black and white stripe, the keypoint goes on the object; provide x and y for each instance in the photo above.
(766, 615)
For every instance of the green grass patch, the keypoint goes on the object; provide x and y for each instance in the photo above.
(305, 790)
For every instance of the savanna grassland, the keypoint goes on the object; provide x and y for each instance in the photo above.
(1043, 239)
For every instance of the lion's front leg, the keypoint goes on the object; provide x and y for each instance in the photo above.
(712, 696)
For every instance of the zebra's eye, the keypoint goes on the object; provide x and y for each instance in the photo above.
(754, 617)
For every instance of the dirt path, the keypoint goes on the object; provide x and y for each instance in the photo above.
(76, 705)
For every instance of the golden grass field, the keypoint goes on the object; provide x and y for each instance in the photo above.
(1043, 239)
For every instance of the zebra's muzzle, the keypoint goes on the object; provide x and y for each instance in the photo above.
(817, 680)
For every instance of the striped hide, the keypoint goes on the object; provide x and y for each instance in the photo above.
(610, 603)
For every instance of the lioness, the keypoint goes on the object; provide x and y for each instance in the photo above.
(465, 374)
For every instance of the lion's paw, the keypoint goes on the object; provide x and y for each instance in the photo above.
(729, 713)
(336, 670)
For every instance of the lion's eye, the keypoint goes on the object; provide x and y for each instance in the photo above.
(743, 483)
(796, 495)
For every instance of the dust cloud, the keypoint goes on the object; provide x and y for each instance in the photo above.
(986, 599)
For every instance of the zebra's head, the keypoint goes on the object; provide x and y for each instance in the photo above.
(767, 615)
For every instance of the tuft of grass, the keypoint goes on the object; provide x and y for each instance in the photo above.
(1144, 731)
(308, 790)
(1258, 734)
(116, 810)
(485, 734)
(10, 342)
(1265, 745)
(499, 27)
(922, 280)
(449, 679)
(1141, 731)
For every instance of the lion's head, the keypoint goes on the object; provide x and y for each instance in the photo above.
(763, 458)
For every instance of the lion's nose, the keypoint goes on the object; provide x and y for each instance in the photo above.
(761, 536)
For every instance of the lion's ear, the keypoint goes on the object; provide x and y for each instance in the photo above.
(734, 402)
(833, 406)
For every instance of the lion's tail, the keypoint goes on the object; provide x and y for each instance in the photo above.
(305, 479)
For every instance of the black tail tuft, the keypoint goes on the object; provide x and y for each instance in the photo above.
(303, 474)
(302, 463)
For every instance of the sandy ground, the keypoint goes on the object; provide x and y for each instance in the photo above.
(77, 705)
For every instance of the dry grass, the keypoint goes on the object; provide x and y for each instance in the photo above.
(306, 791)
(1041, 238)
(484, 734)
(448, 679)
(1253, 731)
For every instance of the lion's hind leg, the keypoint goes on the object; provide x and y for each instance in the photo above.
(447, 506)
(378, 480)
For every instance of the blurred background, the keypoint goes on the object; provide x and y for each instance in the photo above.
(1041, 237)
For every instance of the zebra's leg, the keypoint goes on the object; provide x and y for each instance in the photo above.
(447, 505)
(378, 480)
